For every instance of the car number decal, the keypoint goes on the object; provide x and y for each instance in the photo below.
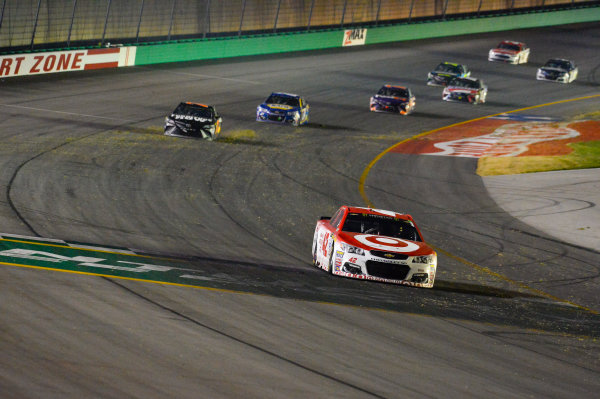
(386, 243)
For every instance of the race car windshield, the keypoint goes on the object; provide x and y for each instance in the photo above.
(508, 46)
(557, 64)
(393, 92)
(193, 110)
(448, 68)
(283, 100)
(469, 84)
(380, 225)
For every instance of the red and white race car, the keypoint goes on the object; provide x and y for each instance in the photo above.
(511, 52)
(374, 244)
(469, 90)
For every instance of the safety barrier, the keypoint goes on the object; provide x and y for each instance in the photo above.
(213, 48)
(269, 44)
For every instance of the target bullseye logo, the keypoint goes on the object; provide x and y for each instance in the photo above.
(386, 243)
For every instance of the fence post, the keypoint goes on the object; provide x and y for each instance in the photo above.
(377, 15)
(242, 18)
(479, 8)
(206, 19)
(276, 16)
(137, 35)
(343, 13)
(37, 15)
(312, 4)
(444, 10)
(72, 22)
(105, 22)
(412, 3)
(171, 23)
(2, 15)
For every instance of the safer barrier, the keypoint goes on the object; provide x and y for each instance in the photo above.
(213, 48)
(269, 44)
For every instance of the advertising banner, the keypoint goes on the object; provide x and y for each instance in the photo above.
(63, 61)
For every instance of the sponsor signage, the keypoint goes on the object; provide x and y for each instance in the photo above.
(63, 61)
(354, 37)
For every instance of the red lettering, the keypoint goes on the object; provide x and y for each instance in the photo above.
(63, 61)
(18, 66)
(49, 64)
(34, 68)
(5, 67)
(77, 61)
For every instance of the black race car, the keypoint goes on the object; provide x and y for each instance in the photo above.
(193, 120)
(558, 70)
(445, 71)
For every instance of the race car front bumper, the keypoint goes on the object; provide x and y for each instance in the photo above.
(388, 267)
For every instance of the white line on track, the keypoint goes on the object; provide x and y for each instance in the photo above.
(65, 113)
(200, 75)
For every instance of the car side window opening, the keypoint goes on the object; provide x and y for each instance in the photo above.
(337, 218)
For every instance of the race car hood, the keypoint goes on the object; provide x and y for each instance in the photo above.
(503, 51)
(372, 242)
(444, 74)
(461, 90)
(191, 122)
(389, 100)
(278, 107)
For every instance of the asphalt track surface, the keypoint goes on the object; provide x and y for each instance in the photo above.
(514, 312)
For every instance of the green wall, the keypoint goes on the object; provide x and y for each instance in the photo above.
(278, 43)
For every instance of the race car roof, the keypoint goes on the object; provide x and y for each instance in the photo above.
(277, 93)
(371, 211)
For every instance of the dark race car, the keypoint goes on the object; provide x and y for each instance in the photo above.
(390, 98)
(468, 90)
(193, 120)
(558, 70)
(283, 108)
(445, 71)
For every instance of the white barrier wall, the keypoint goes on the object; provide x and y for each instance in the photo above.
(62, 61)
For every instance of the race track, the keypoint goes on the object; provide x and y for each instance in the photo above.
(514, 312)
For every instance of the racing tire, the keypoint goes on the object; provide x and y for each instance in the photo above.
(296, 121)
(330, 262)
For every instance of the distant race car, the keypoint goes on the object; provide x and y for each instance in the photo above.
(374, 244)
(283, 108)
(511, 52)
(390, 98)
(193, 120)
(469, 90)
(445, 71)
(558, 70)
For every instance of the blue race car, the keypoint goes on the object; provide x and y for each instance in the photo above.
(398, 99)
(444, 73)
(283, 108)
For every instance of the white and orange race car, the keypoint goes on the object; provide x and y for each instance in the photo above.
(374, 244)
